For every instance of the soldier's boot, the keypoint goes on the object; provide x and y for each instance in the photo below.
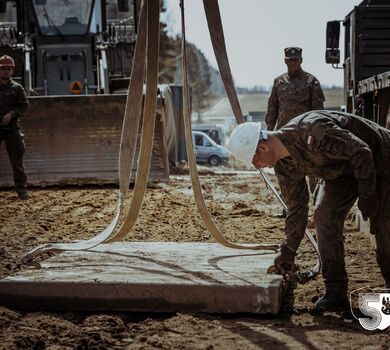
(24, 194)
(334, 299)
(332, 302)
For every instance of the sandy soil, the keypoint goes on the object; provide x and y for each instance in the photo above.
(242, 207)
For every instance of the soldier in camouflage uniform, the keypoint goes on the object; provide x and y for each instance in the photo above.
(292, 94)
(13, 105)
(351, 155)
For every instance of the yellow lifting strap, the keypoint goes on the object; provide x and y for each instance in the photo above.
(142, 175)
(214, 23)
(204, 213)
(147, 141)
(147, 45)
(127, 145)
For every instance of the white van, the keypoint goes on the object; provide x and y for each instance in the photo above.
(215, 131)
(207, 151)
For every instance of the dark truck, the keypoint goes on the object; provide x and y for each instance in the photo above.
(366, 60)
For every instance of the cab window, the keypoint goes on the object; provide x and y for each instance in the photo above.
(198, 140)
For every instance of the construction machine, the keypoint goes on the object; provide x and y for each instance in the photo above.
(74, 58)
(366, 60)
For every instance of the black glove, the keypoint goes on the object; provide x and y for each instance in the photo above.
(368, 206)
(284, 261)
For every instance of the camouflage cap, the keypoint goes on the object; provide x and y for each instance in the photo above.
(292, 53)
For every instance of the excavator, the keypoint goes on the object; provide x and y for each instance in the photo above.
(74, 59)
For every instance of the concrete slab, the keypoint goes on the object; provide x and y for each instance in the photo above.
(149, 277)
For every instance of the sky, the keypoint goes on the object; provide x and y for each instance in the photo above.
(257, 31)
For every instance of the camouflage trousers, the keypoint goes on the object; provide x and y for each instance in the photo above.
(334, 199)
(16, 148)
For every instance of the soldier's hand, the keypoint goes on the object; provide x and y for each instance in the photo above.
(6, 119)
(284, 261)
(368, 206)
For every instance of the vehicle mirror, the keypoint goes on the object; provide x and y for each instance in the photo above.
(208, 144)
(332, 34)
(3, 6)
(123, 5)
(332, 56)
(40, 2)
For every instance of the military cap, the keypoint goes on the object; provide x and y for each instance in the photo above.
(292, 53)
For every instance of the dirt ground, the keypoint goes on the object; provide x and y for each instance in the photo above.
(242, 207)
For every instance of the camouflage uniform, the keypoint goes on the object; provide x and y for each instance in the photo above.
(13, 99)
(292, 95)
(351, 155)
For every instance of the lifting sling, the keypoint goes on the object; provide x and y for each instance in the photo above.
(147, 46)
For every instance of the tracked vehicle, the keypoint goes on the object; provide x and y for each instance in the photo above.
(74, 59)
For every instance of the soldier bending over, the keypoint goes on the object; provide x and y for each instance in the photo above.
(351, 155)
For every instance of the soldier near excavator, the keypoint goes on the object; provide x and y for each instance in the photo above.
(351, 156)
(293, 93)
(13, 105)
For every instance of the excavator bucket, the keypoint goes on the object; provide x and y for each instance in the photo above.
(74, 140)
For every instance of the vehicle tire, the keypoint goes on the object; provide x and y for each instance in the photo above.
(214, 160)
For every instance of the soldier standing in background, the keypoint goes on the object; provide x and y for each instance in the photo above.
(293, 93)
(13, 105)
(351, 155)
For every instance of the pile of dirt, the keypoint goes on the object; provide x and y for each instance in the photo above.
(242, 207)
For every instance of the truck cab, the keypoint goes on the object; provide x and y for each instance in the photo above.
(77, 47)
(366, 60)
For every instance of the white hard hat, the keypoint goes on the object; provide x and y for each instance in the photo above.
(243, 141)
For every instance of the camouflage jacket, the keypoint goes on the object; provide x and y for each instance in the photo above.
(291, 96)
(13, 99)
(329, 145)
